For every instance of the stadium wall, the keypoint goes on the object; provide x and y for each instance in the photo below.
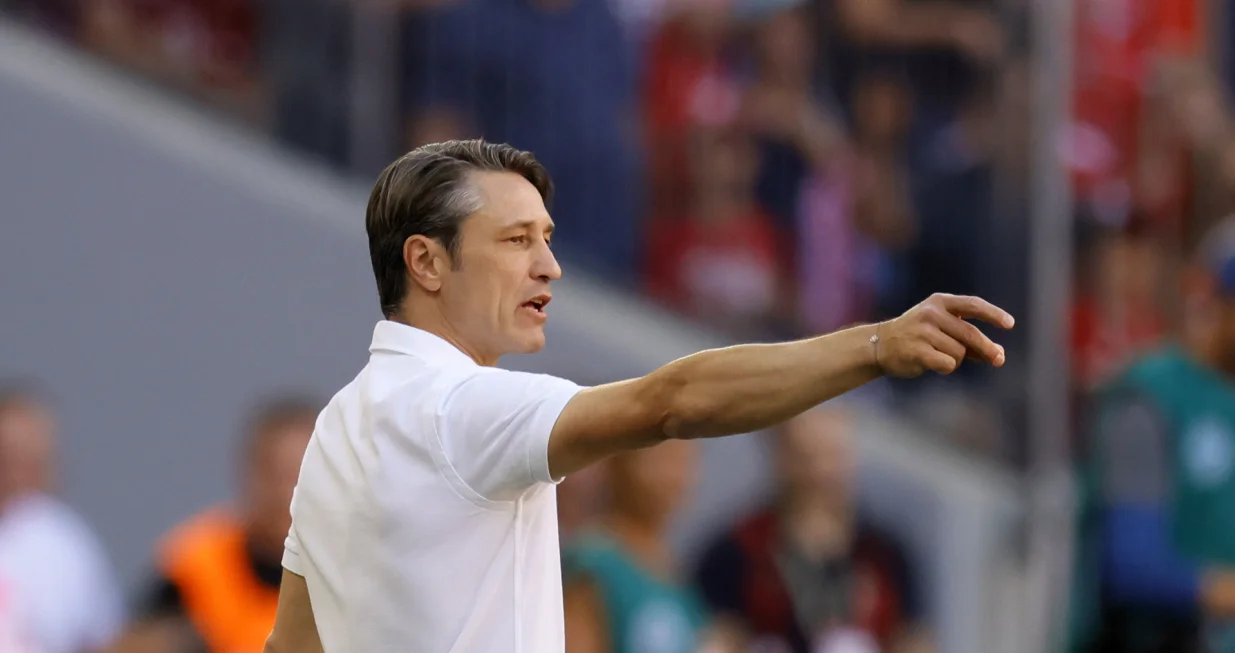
(159, 270)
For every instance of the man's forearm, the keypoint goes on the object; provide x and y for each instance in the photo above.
(751, 387)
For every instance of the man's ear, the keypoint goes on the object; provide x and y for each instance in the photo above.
(426, 261)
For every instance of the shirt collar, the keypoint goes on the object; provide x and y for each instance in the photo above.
(399, 338)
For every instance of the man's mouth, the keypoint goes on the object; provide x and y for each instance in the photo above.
(538, 303)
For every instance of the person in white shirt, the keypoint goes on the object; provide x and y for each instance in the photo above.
(424, 518)
(54, 569)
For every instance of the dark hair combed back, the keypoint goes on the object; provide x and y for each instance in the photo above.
(425, 192)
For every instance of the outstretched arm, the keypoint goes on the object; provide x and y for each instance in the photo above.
(750, 387)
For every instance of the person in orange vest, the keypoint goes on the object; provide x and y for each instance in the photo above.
(219, 571)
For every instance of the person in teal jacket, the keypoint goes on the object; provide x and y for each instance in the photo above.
(623, 589)
(1156, 565)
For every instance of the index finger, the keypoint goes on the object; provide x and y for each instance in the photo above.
(978, 308)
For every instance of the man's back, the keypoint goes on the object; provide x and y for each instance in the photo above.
(424, 517)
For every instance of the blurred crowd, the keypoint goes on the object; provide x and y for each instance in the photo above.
(771, 167)
(766, 165)
(805, 573)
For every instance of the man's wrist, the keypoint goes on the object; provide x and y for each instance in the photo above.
(875, 343)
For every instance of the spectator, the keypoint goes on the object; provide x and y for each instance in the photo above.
(1117, 314)
(220, 571)
(688, 86)
(883, 114)
(939, 45)
(54, 568)
(806, 573)
(622, 595)
(723, 261)
(884, 224)
(1118, 146)
(953, 181)
(794, 130)
(1157, 520)
(555, 77)
(306, 48)
(207, 48)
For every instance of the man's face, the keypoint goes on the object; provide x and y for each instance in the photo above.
(495, 294)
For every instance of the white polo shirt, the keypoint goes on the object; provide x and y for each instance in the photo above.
(425, 518)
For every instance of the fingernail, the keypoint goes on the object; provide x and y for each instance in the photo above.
(999, 358)
(1010, 322)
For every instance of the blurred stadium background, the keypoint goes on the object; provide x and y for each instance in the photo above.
(181, 240)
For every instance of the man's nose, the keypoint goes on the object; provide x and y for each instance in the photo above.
(546, 267)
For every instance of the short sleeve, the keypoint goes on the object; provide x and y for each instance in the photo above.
(1131, 440)
(494, 429)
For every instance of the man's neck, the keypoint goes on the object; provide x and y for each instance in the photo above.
(431, 321)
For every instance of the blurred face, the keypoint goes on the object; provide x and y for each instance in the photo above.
(494, 296)
(786, 45)
(27, 449)
(652, 483)
(814, 455)
(272, 478)
(1130, 269)
(725, 168)
(707, 21)
(882, 109)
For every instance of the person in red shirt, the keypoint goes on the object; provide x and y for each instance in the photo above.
(208, 48)
(723, 261)
(1115, 135)
(1118, 311)
(687, 85)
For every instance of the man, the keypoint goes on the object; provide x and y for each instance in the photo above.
(219, 573)
(1159, 522)
(806, 571)
(425, 512)
(52, 566)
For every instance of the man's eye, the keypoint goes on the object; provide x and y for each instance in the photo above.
(518, 239)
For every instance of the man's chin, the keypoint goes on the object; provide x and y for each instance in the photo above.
(532, 342)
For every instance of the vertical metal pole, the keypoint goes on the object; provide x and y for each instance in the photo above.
(374, 124)
(1050, 515)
